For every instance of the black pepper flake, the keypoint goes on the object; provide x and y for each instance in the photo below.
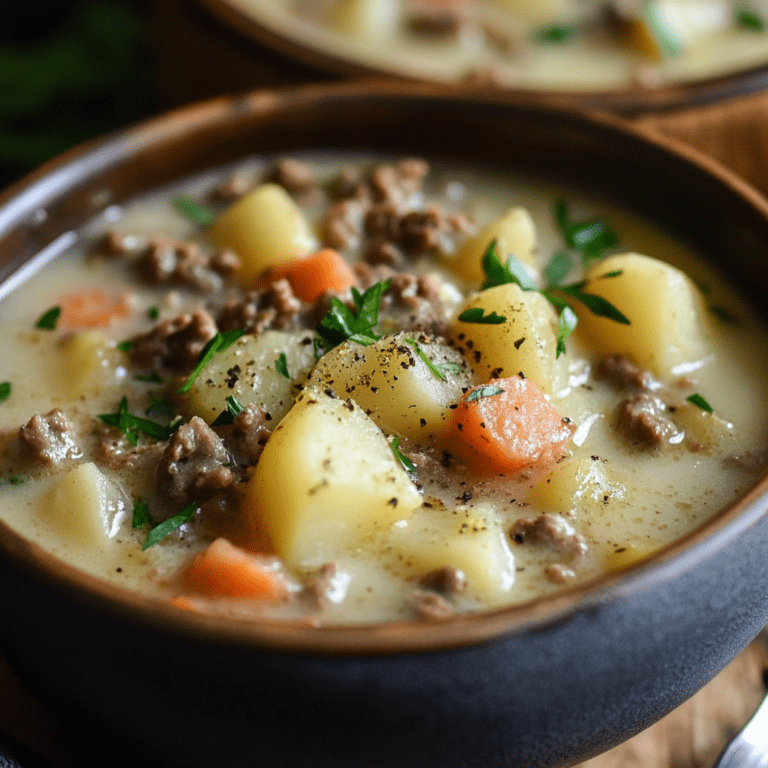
(349, 405)
(233, 374)
(423, 422)
(268, 415)
(392, 502)
(496, 373)
(374, 390)
(519, 343)
(460, 427)
(466, 496)
(330, 392)
(521, 374)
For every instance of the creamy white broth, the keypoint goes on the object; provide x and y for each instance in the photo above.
(647, 497)
(709, 44)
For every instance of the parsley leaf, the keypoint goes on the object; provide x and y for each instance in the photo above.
(558, 268)
(434, 370)
(699, 401)
(126, 346)
(152, 378)
(47, 321)
(5, 390)
(591, 237)
(131, 426)
(408, 465)
(192, 210)
(556, 33)
(163, 408)
(234, 407)
(153, 313)
(341, 324)
(141, 514)
(497, 273)
(749, 20)
(159, 532)
(218, 343)
(595, 304)
(454, 368)
(281, 366)
(480, 392)
(477, 315)
(12, 480)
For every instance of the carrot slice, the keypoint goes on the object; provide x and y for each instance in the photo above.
(508, 425)
(312, 276)
(93, 309)
(227, 571)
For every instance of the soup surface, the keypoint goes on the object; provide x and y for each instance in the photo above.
(348, 389)
(579, 45)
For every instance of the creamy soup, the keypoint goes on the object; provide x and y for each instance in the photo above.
(348, 389)
(577, 45)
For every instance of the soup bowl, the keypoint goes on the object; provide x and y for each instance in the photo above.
(546, 683)
(252, 43)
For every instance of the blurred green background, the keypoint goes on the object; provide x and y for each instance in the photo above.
(70, 70)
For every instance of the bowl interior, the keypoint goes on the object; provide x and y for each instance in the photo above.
(715, 212)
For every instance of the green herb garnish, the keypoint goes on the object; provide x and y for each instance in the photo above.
(558, 268)
(152, 378)
(590, 237)
(47, 321)
(480, 392)
(700, 402)
(400, 456)
(12, 480)
(163, 408)
(234, 408)
(281, 366)
(477, 315)
(556, 33)
(131, 426)
(341, 324)
(193, 211)
(126, 346)
(454, 368)
(159, 532)
(5, 390)
(597, 305)
(434, 370)
(498, 273)
(218, 343)
(141, 514)
(153, 313)
(749, 20)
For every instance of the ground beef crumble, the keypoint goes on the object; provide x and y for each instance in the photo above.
(643, 419)
(50, 438)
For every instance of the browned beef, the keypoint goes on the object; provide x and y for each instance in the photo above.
(623, 373)
(342, 224)
(446, 581)
(319, 587)
(430, 606)
(174, 343)
(551, 531)
(295, 176)
(50, 438)
(250, 432)
(192, 465)
(643, 419)
(273, 307)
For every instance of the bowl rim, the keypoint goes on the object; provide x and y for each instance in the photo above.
(258, 33)
(29, 194)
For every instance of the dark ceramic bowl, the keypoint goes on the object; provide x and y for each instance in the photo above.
(546, 683)
(236, 48)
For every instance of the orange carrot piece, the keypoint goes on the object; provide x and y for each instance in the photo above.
(93, 309)
(183, 602)
(323, 271)
(508, 425)
(227, 571)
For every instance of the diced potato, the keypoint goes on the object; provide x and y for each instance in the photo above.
(664, 28)
(515, 233)
(327, 480)
(86, 508)
(628, 554)
(394, 386)
(544, 11)
(705, 433)
(668, 332)
(248, 371)
(88, 361)
(366, 19)
(472, 542)
(265, 228)
(525, 342)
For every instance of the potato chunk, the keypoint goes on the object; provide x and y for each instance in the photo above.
(366, 19)
(327, 479)
(395, 386)
(265, 228)
(668, 332)
(86, 508)
(515, 234)
(468, 540)
(525, 342)
(248, 370)
(88, 361)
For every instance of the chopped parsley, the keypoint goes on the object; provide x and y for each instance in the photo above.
(700, 402)
(281, 366)
(160, 531)
(48, 320)
(408, 465)
(556, 33)
(477, 315)
(749, 20)
(499, 273)
(234, 407)
(342, 324)
(152, 378)
(141, 514)
(218, 343)
(12, 480)
(162, 408)
(131, 426)
(153, 313)
(434, 369)
(192, 210)
(590, 237)
(480, 392)
(5, 390)
(126, 346)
